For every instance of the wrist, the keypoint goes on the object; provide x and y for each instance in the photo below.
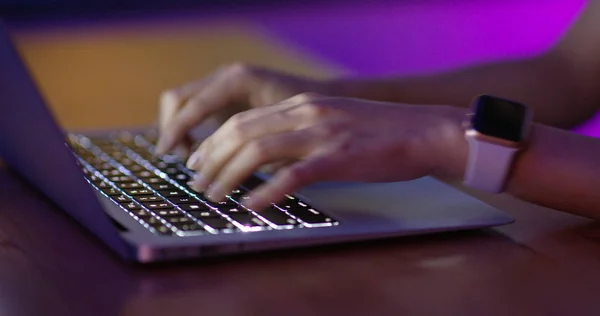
(450, 148)
(497, 130)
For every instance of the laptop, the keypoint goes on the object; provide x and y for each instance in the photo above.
(140, 206)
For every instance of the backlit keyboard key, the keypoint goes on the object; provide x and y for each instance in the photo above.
(182, 200)
(305, 212)
(103, 166)
(162, 186)
(144, 174)
(310, 216)
(161, 165)
(141, 213)
(121, 199)
(181, 178)
(134, 192)
(277, 217)
(157, 205)
(248, 220)
(157, 225)
(218, 223)
(111, 173)
(234, 210)
(236, 194)
(94, 178)
(136, 168)
(193, 207)
(131, 206)
(188, 227)
(121, 179)
(179, 219)
(126, 162)
(103, 185)
(111, 191)
(155, 180)
(168, 212)
(148, 198)
(172, 193)
(203, 214)
(226, 204)
(130, 185)
(170, 171)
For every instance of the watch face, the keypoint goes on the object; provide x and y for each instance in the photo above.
(500, 118)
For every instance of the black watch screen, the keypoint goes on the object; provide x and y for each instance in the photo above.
(499, 118)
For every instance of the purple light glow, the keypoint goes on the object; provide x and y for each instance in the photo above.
(417, 36)
(407, 37)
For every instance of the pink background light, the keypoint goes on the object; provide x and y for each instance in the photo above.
(406, 37)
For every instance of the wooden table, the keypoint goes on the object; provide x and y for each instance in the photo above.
(547, 263)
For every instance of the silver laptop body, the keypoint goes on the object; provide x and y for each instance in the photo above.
(34, 145)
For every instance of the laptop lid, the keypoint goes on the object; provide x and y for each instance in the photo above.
(34, 145)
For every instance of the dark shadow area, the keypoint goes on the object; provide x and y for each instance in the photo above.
(50, 10)
(32, 10)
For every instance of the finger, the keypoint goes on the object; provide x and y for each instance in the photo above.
(195, 160)
(168, 107)
(172, 100)
(244, 124)
(222, 146)
(218, 92)
(238, 122)
(187, 90)
(184, 148)
(170, 103)
(291, 179)
(183, 121)
(239, 128)
(293, 145)
(271, 168)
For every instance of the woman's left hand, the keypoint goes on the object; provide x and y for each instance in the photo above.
(329, 139)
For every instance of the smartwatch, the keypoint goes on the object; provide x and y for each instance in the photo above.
(496, 130)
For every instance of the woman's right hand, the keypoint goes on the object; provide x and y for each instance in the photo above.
(229, 90)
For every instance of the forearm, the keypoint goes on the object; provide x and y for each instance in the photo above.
(543, 83)
(560, 170)
(557, 169)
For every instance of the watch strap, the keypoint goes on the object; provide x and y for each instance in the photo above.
(488, 165)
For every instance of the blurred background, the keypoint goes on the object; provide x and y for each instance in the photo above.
(103, 63)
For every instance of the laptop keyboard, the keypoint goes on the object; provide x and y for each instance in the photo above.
(154, 191)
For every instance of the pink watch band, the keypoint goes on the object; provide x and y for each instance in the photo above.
(488, 165)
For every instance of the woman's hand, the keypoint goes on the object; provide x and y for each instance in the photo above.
(327, 139)
(229, 90)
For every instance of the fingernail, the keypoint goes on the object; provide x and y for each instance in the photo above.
(251, 202)
(193, 161)
(160, 148)
(182, 153)
(169, 98)
(199, 184)
(215, 193)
